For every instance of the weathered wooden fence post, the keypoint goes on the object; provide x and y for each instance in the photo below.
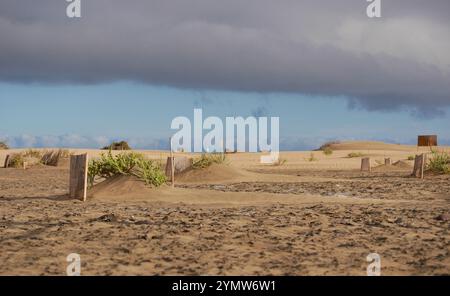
(177, 164)
(365, 164)
(387, 161)
(7, 159)
(78, 176)
(419, 166)
(172, 165)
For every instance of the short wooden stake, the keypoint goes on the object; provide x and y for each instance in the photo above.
(419, 166)
(172, 165)
(78, 176)
(7, 159)
(180, 164)
(387, 161)
(365, 164)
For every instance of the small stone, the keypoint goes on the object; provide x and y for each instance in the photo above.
(443, 217)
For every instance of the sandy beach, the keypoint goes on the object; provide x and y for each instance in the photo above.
(320, 217)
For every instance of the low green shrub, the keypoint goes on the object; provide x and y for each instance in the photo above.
(355, 154)
(16, 160)
(132, 164)
(327, 151)
(439, 163)
(122, 145)
(207, 159)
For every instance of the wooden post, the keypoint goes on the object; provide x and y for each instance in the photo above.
(419, 166)
(365, 164)
(387, 161)
(7, 159)
(172, 165)
(180, 164)
(78, 176)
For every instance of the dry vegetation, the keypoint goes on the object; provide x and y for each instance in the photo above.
(327, 151)
(355, 154)
(207, 159)
(122, 145)
(37, 157)
(328, 145)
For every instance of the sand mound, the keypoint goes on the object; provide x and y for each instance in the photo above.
(402, 165)
(63, 163)
(212, 173)
(399, 165)
(121, 186)
(369, 145)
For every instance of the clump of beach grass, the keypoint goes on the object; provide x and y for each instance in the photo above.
(208, 159)
(439, 163)
(355, 154)
(16, 160)
(34, 156)
(327, 151)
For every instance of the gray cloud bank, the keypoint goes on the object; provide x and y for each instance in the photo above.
(317, 47)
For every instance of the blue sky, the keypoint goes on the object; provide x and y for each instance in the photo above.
(93, 115)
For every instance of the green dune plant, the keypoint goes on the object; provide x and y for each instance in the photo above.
(129, 164)
(439, 163)
(355, 154)
(207, 159)
(122, 145)
(327, 151)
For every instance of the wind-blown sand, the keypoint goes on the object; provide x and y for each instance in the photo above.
(302, 218)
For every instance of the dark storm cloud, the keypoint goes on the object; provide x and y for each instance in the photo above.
(311, 47)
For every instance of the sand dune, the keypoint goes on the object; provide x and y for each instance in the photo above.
(214, 173)
(374, 145)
